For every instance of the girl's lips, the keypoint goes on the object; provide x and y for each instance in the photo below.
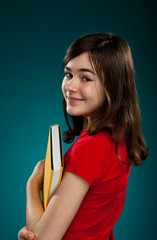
(73, 100)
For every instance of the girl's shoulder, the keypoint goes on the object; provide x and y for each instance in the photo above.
(99, 140)
(101, 144)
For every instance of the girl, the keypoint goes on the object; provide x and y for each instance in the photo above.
(100, 105)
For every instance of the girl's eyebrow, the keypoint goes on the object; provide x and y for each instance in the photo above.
(81, 70)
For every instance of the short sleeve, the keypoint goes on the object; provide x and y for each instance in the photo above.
(84, 160)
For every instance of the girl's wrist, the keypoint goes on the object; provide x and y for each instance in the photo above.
(33, 183)
(36, 179)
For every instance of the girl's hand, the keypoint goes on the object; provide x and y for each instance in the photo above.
(38, 174)
(24, 234)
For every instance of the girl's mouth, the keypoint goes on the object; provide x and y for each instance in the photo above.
(74, 100)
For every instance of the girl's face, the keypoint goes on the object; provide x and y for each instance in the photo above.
(82, 89)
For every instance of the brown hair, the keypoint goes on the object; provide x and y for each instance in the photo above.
(111, 58)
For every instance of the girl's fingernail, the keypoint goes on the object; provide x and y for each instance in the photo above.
(30, 235)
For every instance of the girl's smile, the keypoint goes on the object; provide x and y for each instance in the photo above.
(72, 100)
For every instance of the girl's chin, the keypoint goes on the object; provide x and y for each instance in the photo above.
(74, 114)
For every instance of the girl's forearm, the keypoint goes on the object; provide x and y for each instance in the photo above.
(34, 208)
(55, 220)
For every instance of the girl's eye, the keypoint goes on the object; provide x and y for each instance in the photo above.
(85, 79)
(68, 75)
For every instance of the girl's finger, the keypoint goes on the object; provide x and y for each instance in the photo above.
(24, 234)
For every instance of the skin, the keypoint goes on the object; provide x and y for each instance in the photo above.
(83, 93)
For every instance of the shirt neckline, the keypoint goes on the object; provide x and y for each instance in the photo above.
(83, 133)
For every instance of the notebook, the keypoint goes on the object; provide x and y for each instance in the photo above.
(53, 164)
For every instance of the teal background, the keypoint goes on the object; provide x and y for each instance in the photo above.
(34, 36)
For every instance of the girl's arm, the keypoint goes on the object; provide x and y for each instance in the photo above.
(53, 223)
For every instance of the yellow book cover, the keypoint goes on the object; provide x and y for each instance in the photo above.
(53, 164)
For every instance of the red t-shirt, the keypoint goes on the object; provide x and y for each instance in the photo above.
(94, 159)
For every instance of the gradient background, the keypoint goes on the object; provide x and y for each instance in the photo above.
(34, 36)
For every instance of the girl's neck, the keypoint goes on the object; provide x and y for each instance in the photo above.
(86, 122)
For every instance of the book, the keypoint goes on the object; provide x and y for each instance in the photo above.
(53, 164)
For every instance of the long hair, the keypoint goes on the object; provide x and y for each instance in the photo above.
(111, 58)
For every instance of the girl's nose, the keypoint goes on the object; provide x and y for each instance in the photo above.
(72, 85)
